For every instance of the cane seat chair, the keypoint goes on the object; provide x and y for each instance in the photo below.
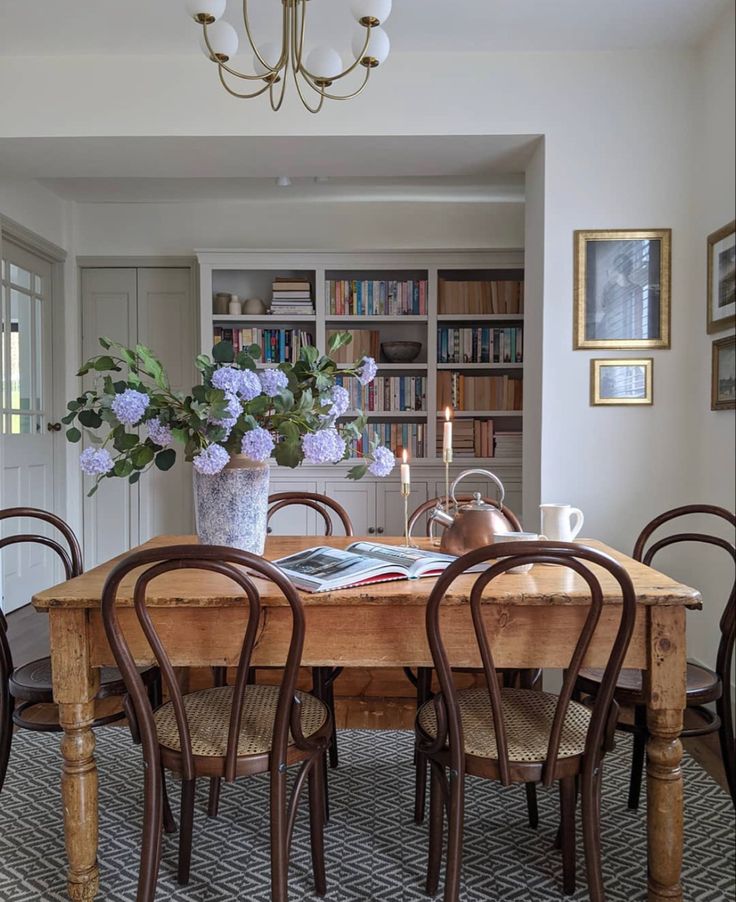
(704, 686)
(517, 735)
(23, 688)
(223, 732)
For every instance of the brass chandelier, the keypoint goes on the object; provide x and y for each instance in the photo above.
(273, 62)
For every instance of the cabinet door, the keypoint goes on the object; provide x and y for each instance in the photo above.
(166, 324)
(359, 500)
(295, 520)
(390, 504)
(108, 309)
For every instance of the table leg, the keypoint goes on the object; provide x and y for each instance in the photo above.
(75, 687)
(665, 704)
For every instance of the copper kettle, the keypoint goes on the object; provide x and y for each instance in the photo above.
(474, 524)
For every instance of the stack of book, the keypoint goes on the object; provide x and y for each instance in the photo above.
(480, 345)
(496, 296)
(386, 394)
(352, 297)
(508, 445)
(277, 345)
(470, 438)
(396, 436)
(291, 296)
(479, 392)
(365, 343)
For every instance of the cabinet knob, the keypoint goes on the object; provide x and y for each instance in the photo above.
(380, 530)
(53, 427)
(269, 530)
(371, 530)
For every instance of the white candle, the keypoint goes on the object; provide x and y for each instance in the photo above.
(405, 472)
(447, 434)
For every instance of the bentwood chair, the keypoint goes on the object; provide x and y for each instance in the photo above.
(227, 731)
(422, 680)
(704, 686)
(23, 688)
(518, 735)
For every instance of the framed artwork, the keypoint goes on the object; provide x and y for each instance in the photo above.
(616, 382)
(722, 278)
(723, 382)
(622, 289)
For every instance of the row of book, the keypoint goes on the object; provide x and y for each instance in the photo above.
(292, 296)
(387, 394)
(277, 345)
(396, 436)
(479, 392)
(476, 296)
(508, 445)
(378, 297)
(480, 345)
(365, 343)
(478, 438)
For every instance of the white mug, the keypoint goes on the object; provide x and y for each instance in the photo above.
(561, 522)
(500, 537)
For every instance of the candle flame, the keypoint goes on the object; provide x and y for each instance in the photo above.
(447, 414)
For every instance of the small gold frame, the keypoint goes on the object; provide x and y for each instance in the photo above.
(581, 239)
(597, 400)
(718, 346)
(727, 322)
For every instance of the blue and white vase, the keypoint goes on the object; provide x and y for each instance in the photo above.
(231, 507)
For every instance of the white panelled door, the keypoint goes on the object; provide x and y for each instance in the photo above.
(27, 428)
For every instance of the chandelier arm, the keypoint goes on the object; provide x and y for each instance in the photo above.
(298, 32)
(340, 96)
(240, 94)
(276, 105)
(222, 65)
(303, 99)
(271, 70)
(349, 69)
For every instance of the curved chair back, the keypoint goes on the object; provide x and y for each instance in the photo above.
(506, 556)
(322, 504)
(71, 556)
(427, 506)
(232, 564)
(645, 552)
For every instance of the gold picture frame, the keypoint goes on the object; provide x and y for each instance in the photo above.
(723, 374)
(622, 281)
(632, 386)
(721, 286)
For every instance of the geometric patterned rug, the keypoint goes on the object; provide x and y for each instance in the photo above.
(374, 851)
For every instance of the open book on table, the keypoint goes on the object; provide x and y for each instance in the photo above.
(322, 568)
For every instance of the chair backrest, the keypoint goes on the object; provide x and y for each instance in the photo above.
(322, 504)
(645, 552)
(230, 563)
(427, 506)
(506, 556)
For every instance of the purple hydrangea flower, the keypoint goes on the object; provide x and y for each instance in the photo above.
(211, 460)
(340, 401)
(383, 462)
(367, 371)
(129, 406)
(257, 444)
(96, 461)
(325, 446)
(250, 386)
(159, 432)
(273, 382)
(228, 378)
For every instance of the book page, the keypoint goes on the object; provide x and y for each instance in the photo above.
(397, 555)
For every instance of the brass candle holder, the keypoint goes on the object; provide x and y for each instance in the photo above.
(405, 493)
(447, 460)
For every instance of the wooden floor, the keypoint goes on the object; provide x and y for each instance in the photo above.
(379, 699)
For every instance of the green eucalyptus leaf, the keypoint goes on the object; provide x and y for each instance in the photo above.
(357, 472)
(166, 459)
(133, 478)
(105, 343)
(288, 454)
(338, 340)
(126, 442)
(73, 434)
(142, 456)
(223, 352)
(69, 418)
(123, 467)
(254, 351)
(105, 363)
(90, 418)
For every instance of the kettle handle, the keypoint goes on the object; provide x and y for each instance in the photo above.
(495, 479)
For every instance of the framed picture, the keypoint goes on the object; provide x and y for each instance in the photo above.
(615, 382)
(722, 278)
(723, 382)
(622, 289)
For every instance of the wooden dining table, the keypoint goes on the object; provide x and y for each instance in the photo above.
(534, 620)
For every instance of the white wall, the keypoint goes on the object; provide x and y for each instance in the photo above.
(34, 207)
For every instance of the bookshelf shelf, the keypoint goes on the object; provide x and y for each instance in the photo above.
(245, 320)
(391, 366)
(480, 317)
(392, 414)
(399, 318)
(466, 414)
(480, 366)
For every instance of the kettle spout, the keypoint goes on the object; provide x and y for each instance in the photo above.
(441, 516)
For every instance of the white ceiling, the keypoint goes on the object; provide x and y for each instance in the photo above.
(73, 27)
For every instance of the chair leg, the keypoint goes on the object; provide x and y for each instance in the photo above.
(638, 755)
(279, 850)
(7, 704)
(185, 830)
(725, 737)
(531, 804)
(424, 693)
(333, 743)
(591, 798)
(317, 825)
(568, 799)
(152, 833)
(213, 803)
(168, 817)
(436, 822)
(455, 825)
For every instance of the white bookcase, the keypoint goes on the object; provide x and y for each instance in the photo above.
(374, 507)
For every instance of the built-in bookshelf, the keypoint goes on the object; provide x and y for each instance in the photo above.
(465, 310)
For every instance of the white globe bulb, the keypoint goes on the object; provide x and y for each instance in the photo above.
(223, 39)
(378, 45)
(324, 62)
(209, 9)
(271, 52)
(378, 10)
